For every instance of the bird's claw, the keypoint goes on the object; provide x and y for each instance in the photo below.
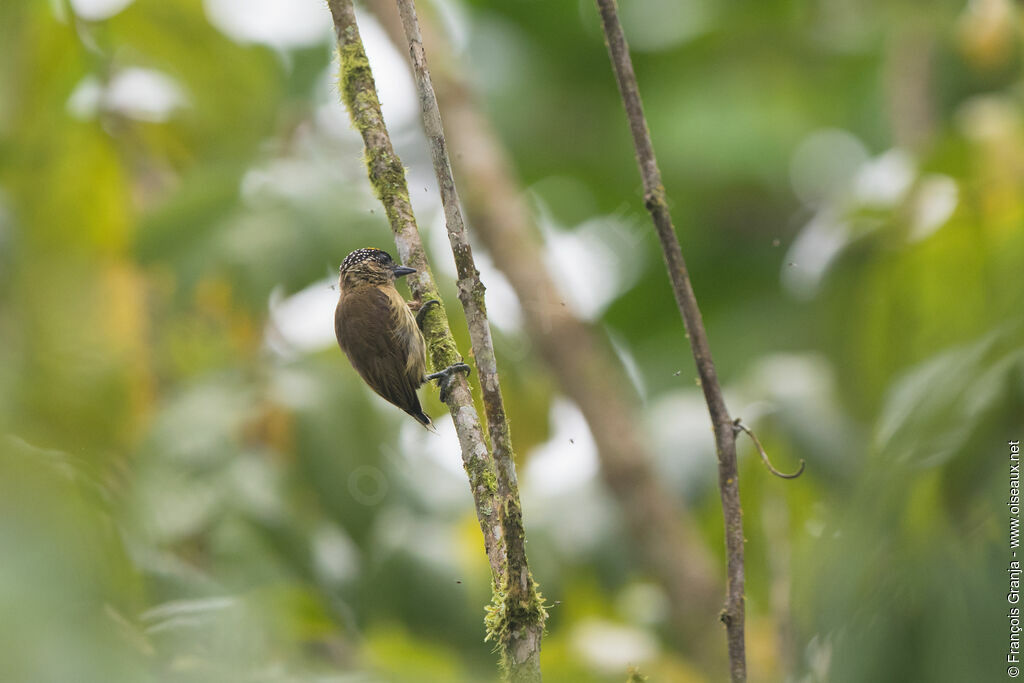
(445, 376)
(423, 308)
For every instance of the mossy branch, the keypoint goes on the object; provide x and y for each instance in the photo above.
(520, 636)
(654, 198)
(387, 175)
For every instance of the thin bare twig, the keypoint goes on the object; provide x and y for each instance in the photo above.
(518, 622)
(387, 175)
(654, 198)
(764, 456)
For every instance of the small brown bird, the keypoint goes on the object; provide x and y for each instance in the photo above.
(379, 334)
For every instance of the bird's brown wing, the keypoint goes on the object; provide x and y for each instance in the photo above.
(372, 333)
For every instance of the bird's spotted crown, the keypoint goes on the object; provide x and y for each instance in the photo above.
(359, 255)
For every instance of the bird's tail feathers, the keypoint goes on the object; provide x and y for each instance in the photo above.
(423, 419)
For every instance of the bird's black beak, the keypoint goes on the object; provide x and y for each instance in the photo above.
(402, 271)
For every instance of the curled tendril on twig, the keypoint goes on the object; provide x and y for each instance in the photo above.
(740, 427)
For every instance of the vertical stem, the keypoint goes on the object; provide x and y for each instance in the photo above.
(523, 612)
(471, 289)
(725, 443)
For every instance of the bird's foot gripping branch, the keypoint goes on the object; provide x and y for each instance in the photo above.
(444, 378)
